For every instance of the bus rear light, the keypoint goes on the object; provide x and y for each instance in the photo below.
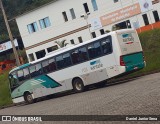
(122, 63)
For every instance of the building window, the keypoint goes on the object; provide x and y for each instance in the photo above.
(44, 23)
(72, 41)
(80, 39)
(86, 7)
(122, 25)
(33, 27)
(53, 48)
(102, 31)
(72, 13)
(31, 57)
(65, 16)
(156, 16)
(115, 1)
(40, 54)
(94, 4)
(93, 35)
(145, 18)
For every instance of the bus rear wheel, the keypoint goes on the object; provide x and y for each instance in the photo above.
(28, 98)
(78, 85)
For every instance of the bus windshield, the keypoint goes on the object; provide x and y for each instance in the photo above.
(13, 81)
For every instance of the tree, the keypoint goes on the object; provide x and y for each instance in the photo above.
(3, 37)
(62, 43)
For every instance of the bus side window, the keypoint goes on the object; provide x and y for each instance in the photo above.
(91, 51)
(52, 64)
(20, 75)
(83, 54)
(75, 57)
(45, 65)
(38, 69)
(32, 70)
(67, 60)
(59, 61)
(26, 74)
(97, 48)
(106, 46)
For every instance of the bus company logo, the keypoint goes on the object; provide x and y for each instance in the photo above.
(6, 118)
(128, 38)
(96, 64)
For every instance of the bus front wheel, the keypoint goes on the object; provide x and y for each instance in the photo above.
(28, 98)
(78, 85)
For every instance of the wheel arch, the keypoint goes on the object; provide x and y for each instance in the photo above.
(78, 78)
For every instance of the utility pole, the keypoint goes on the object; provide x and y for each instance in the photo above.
(85, 16)
(10, 34)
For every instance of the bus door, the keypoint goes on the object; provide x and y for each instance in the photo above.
(13, 83)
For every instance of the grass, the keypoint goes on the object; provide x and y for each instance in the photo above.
(5, 98)
(150, 41)
(151, 46)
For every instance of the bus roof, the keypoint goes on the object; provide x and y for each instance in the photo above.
(20, 67)
(70, 48)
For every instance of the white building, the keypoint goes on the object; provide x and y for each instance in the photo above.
(62, 19)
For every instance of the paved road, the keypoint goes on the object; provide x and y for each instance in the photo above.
(140, 96)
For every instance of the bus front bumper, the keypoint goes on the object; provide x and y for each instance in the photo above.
(18, 100)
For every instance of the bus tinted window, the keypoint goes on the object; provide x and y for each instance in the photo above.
(75, 56)
(26, 74)
(67, 60)
(32, 70)
(106, 45)
(97, 49)
(20, 75)
(45, 65)
(59, 60)
(91, 51)
(52, 64)
(83, 54)
(13, 81)
(38, 69)
(94, 50)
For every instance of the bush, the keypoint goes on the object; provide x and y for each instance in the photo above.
(5, 98)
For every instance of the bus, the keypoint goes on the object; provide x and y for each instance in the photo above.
(74, 68)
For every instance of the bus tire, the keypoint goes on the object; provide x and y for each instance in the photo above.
(28, 98)
(78, 85)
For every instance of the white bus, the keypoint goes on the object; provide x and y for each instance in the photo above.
(93, 61)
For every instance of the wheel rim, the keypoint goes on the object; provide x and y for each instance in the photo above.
(29, 97)
(78, 85)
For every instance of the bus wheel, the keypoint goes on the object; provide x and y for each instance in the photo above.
(78, 85)
(28, 98)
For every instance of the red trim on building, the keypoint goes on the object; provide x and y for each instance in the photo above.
(149, 27)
